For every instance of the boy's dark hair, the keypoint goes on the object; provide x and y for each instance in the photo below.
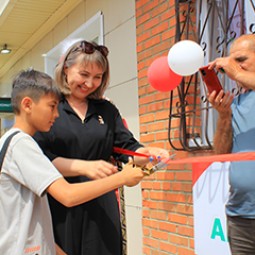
(33, 84)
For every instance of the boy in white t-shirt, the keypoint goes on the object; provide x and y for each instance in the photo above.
(27, 175)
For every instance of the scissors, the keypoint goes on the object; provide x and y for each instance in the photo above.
(160, 165)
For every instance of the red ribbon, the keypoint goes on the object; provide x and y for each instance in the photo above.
(240, 156)
(130, 153)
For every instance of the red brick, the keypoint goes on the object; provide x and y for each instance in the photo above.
(167, 194)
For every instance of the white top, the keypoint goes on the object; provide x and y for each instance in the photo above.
(26, 227)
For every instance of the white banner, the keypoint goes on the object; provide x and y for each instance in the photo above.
(210, 193)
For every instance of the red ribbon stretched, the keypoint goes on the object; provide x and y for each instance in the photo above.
(240, 156)
(130, 153)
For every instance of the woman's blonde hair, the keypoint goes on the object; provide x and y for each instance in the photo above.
(85, 53)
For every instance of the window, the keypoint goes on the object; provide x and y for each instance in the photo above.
(92, 30)
(214, 24)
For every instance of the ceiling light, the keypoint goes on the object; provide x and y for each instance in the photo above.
(5, 50)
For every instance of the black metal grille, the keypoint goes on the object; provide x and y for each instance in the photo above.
(214, 25)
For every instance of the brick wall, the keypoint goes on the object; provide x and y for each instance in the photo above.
(167, 195)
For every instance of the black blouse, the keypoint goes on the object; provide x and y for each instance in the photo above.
(93, 227)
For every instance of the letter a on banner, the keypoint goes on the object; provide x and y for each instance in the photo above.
(217, 230)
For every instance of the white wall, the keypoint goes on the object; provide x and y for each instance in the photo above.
(120, 31)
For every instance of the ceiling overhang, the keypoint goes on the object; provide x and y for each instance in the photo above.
(24, 23)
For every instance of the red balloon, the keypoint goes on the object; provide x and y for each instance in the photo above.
(161, 77)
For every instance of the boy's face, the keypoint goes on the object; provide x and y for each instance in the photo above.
(43, 113)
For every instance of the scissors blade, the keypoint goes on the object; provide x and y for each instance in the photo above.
(162, 164)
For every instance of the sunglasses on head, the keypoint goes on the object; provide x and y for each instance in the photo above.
(90, 48)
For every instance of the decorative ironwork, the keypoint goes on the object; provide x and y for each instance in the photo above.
(214, 24)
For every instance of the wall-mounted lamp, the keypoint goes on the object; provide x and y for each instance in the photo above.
(5, 50)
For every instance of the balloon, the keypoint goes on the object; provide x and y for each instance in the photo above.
(161, 77)
(185, 57)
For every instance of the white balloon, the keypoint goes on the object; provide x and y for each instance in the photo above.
(185, 57)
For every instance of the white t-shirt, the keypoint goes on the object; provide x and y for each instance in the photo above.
(26, 227)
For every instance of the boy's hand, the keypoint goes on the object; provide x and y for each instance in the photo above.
(133, 174)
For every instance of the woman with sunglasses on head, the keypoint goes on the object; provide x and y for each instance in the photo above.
(80, 144)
